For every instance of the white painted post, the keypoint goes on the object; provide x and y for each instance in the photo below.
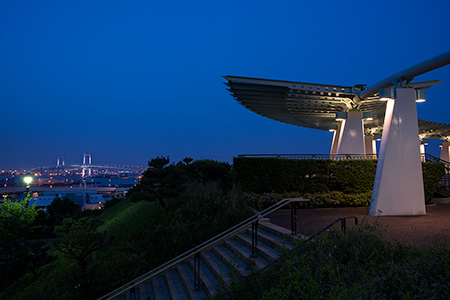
(398, 188)
(351, 140)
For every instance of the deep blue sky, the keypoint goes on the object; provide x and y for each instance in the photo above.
(132, 80)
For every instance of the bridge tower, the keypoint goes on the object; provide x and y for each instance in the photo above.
(87, 162)
(60, 163)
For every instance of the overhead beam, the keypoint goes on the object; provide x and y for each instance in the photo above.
(408, 74)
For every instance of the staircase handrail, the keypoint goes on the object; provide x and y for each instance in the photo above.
(343, 226)
(209, 243)
(433, 158)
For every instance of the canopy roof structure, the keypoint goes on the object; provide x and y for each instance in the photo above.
(315, 105)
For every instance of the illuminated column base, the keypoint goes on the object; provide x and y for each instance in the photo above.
(351, 138)
(445, 151)
(398, 188)
(335, 142)
(370, 146)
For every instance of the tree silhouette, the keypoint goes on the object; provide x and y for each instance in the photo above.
(79, 239)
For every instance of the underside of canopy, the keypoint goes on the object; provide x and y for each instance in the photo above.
(315, 105)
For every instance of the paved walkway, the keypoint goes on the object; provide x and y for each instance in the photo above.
(411, 230)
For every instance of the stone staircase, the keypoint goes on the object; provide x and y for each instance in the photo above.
(219, 265)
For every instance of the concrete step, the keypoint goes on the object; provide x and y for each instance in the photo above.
(217, 267)
(268, 253)
(207, 279)
(231, 260)
(273, 240)
(187, 276)
(281, 232)
(175, 286)
(160, 288)
(245, 254)
(146, 291)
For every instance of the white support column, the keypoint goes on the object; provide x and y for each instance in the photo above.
(445, 151)
(335, 142)
(370, 145)
(398, 188)
(351, 139)
(422, 152)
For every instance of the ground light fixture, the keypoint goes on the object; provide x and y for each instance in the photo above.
(28, 179)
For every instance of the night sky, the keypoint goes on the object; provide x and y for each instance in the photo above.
(132, 80)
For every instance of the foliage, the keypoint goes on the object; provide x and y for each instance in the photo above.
(111, 202)
(432, 173)
(354, 176)
(207, 171)
(78, 240)
(327, 183)
(59, 209)
(265, 175)
(17, 225)
(357, 264)
(145, 234)
(148, 235)
(163, 181)
(317, 200)
(159, 182)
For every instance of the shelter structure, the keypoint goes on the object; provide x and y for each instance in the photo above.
(358, 115)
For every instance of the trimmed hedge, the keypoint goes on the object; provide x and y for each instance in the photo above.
(432, 173)
(279, 175)
(317, 200)
(319, 178)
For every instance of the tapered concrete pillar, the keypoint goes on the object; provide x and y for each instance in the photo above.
(398, 188)
(351, 139)
(445, 151)
(370, 146)
(335, 142)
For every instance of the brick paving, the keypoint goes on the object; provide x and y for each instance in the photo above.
(411, 230)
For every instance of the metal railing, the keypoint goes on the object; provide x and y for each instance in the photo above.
(444, 182)
(343, 221)
(194, 252)
(315, 156)
(429, 157)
